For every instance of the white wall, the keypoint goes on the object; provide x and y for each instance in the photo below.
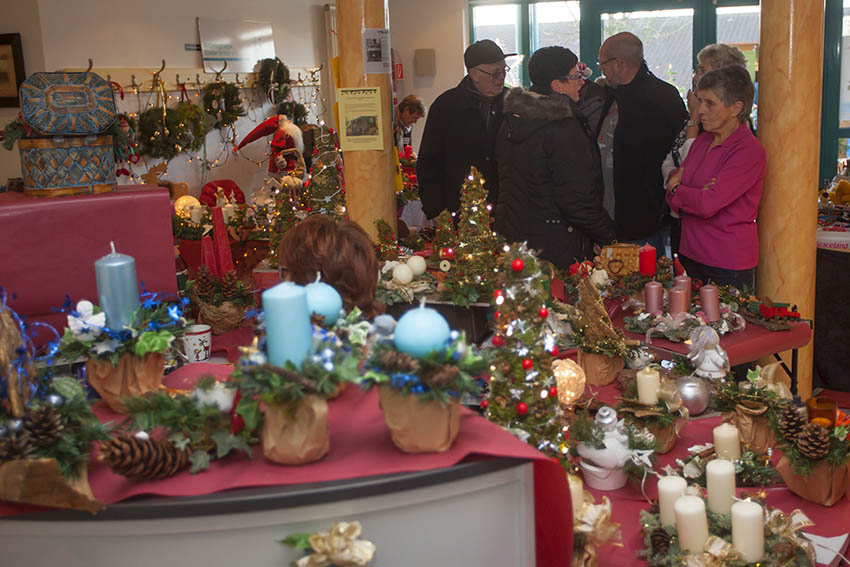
(436, 24)
(129, 34)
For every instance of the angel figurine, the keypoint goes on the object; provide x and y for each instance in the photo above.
(706, 355)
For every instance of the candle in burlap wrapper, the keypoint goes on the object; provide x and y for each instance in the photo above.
(753, 425)
(418, 426)
(600, 369)
(133, 376)
(296, 434)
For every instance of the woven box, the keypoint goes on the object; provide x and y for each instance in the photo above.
(620, 259)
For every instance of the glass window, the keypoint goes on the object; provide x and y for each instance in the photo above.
(500, 23)
(667, 37)
(739, 26)
(555, 23)
(844, 98)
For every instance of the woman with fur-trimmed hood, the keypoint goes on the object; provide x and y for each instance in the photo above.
(550, 176)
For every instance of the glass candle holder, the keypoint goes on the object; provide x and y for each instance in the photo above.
(822, 410)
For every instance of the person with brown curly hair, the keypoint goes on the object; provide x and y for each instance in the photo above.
(341, 251)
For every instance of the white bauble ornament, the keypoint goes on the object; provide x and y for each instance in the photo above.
(403, 274)
(417, 264)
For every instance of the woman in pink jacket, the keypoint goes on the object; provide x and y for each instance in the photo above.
(718, 188)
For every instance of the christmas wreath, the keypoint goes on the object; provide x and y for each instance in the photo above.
(273, 78)
(295, 111)
(186, 125)
(222, 102)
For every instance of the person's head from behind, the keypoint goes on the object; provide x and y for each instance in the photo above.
(717, 56)
(410, 109)
(554, 70)
(485, 64)
(341, 252)
(726, 98)
(620, 58)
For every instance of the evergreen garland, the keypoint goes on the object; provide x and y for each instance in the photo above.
(222, 102)
(273, 79)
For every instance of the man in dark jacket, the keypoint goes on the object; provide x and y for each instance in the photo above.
(550, 178)
(650, 115)
(461, 129)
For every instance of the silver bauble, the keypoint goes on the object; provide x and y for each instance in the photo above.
(55, 400)
(695, 394)
(15, 425)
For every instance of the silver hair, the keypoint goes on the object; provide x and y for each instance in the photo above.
(731, 84)
(717, 55)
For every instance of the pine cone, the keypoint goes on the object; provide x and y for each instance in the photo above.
(660, 540)
(783, 551)
(790, 423)
(394, 361)
(441, 377)
(16, 446)
(813, 441)
(45, 426)
(143, 459)
(318, 320)
(229, 285)
(204, 282)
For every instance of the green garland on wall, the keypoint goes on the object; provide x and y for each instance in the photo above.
(186, 125)
(273, 79)
(223, 103)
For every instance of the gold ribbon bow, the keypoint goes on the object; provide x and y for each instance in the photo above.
(594, 528)
(788, 525)
(717, 552)
(339, 547)
(669, 394)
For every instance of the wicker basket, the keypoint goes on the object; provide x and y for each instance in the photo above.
(619, 259)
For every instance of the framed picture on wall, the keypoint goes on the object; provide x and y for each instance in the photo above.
(11, 68)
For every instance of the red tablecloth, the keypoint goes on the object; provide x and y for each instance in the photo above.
(360, 446)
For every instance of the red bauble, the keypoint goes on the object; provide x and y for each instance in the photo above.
(522, 408)
(543, 312)
(497, 293)
(555, 350)
(527, 363)
(497, 314)
(553, 391)
(484, 404)
(518, 265)
(498, 341)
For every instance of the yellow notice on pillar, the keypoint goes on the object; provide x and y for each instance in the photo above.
(360, 118)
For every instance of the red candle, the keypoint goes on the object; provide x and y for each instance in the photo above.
(678, 298)
(208, 255)
(684, 282)
(654, 293)
(647, 260)
(710, 302)
(222, 243)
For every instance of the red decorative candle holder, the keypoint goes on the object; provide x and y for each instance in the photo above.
(823, 411)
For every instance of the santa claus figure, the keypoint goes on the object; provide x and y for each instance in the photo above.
(286, 158)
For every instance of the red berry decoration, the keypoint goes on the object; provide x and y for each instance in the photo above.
(498, 341)
(527, 363)
(544, 312)
(518, 265)
(553, 391)
(484, 403)
(522, 408)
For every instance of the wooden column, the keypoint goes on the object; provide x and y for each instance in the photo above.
(790, 68)
(369, 174)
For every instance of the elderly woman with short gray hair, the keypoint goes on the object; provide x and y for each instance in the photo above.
(717, 189)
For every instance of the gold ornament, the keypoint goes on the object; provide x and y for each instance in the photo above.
(184, 204)
(570, 379)
(339, 546)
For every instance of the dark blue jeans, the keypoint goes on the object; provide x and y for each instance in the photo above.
(719, 276)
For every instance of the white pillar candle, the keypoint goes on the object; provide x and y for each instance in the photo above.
(576, 493)
(720, 482)
(670, 489)
(648, 383)
(691, 523)
(196, 214)
(748, 530)
(727, 445)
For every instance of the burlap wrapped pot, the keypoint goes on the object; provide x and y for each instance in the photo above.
(666, 437)
(600, 369)
(296, 434)
(40, 482)
(825, 485)
(753, 425)
(133, 376)
(418, 426)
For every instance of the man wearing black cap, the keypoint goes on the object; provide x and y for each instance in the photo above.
(461, 129)
(550, 175)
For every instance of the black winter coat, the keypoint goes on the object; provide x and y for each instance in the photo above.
(550, 179)
(455, 138)
(650, 115)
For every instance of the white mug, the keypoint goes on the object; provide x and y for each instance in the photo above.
(197, 343)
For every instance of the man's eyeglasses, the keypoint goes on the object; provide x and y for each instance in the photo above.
(601, 63)
(497, 74)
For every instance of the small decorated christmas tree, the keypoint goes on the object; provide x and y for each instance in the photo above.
(523, 395)
(387, 246)
(325, 191)
(284, 217)
(445, 233)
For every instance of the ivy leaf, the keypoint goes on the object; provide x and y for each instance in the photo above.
(250, 412)
(840, 432)
(153, 341)
(300, 541)
(752, 375)
(68, 388)
(180, 441)
(200, 461)
(225, 442)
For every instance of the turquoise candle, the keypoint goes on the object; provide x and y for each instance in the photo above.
(117, 288)
(323, 300)
(421, 331)
(289, 334)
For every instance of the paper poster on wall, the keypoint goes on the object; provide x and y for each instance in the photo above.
(360, 119)
(376, 51)
(241, 43)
